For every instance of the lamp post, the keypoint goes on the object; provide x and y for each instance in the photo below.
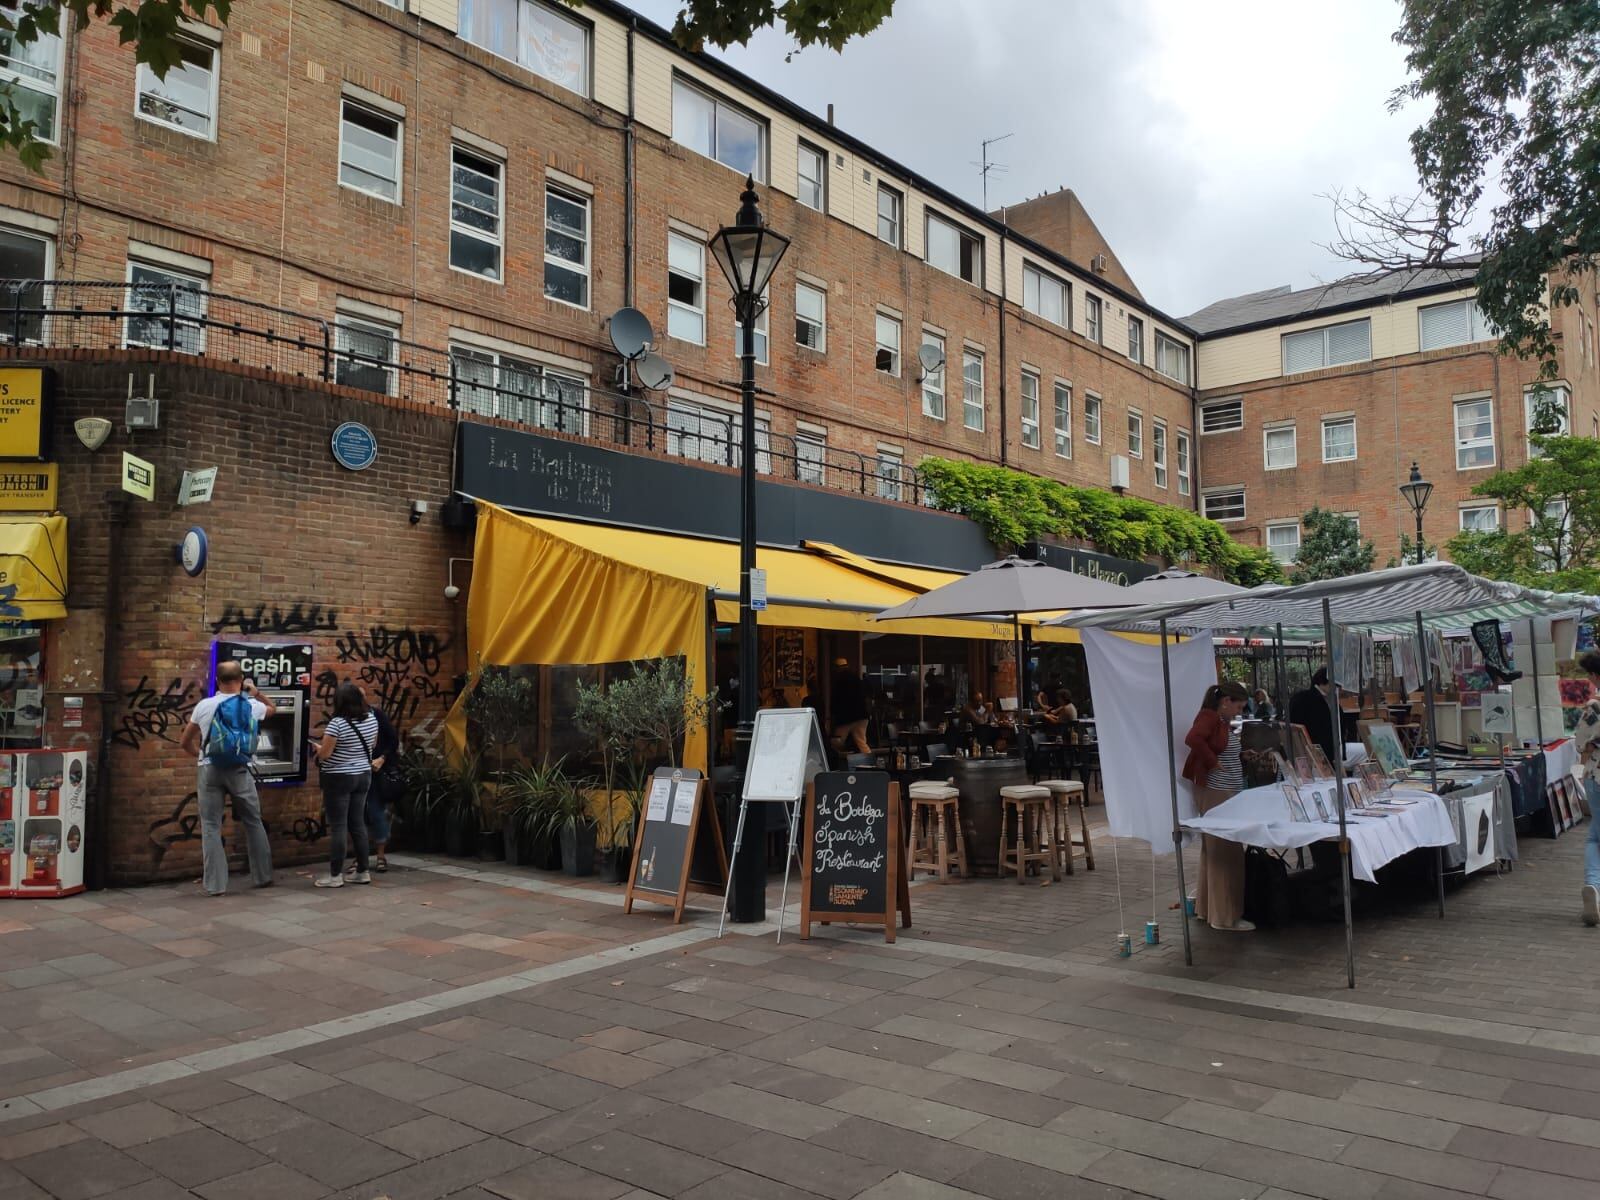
(748, 253)
(1416, 490)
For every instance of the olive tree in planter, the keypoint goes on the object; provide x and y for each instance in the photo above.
(498, 705)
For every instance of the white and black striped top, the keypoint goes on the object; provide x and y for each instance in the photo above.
(1228, 774)
(349, 756)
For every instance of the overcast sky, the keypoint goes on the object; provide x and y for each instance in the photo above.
(1201, 137)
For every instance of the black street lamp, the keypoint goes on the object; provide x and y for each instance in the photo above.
(1416, 490)
(748, 253)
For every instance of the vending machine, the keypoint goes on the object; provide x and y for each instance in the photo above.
(46, 799)
(8, 830)
(282, 674)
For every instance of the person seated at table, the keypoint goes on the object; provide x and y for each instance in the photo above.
(1041, 699)
(1063, 712)
(990, 726)
(1260, 706)
(1217, 772)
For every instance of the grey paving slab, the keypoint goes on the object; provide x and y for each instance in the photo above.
(329, 1155)
(196, 1156)
(554, 1179)
(131, 1124)
(427, 1137)
(901, 1149)
(271, 1182)
(81, 1170)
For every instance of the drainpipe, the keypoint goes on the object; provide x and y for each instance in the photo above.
(1194, 434)
(1005, 424)
(628, 147)
(98, 867)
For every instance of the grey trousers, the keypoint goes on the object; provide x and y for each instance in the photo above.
(215, 785)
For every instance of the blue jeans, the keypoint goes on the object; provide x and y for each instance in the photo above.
(1591, 848)
(377, 815)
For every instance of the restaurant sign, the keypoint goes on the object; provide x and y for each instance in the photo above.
(1091, 563)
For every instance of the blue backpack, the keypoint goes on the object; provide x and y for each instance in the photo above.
(231, 739)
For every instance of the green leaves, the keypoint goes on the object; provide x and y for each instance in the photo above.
(829, 23)
(1331, 547)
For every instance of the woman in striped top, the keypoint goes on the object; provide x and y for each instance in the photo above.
(345, 756)
(1217, 774)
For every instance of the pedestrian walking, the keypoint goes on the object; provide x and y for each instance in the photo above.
(345, 756)
(1587, 736)
(222, 731)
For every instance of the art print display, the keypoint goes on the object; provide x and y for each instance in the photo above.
(1296, 803)
(1383, 744)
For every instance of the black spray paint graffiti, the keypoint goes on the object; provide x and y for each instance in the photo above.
(302, 618)
(399, 668)
(184, 826)
(148, 713)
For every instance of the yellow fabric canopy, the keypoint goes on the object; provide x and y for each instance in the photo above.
(33, 567)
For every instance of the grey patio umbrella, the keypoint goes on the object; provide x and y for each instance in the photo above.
(1175, 584)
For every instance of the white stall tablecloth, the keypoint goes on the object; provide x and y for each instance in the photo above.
(1259, 817)
(1559, 763)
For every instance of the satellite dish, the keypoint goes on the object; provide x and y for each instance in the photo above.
(654, 372)
(631, 332)
(931, 358)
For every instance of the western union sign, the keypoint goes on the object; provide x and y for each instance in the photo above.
(24, 419)
(28, 488)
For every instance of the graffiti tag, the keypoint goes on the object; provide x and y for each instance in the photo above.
(148, 713)
(302, 618)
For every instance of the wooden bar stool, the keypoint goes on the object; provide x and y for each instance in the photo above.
(1065, 794)
(1031, 804)
(937, 841)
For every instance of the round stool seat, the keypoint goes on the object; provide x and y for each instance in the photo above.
(1025, 792)
(928, 789)
(1062, 787)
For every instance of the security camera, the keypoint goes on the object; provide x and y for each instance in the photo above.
(451, 591)
(418, 508)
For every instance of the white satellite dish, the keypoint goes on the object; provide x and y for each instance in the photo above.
(631, 333)
(655, 372)
(931, 358)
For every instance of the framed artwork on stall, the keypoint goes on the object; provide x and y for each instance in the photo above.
(1322, 809)
(1357, 792)
(1552, 801)
(1564, 798)
(1288, 771)
(1383, 743)
(1320, 763)
(1377, 783)
(1297, 805)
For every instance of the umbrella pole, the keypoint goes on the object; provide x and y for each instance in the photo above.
(1339, 798)
(1016, 634)
(1433, 747)
(1172, 782)
(1277, 664)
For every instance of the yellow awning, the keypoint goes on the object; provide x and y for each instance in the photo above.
(33, 567)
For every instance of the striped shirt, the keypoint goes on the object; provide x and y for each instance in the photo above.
(1228, 774)
(349, 755)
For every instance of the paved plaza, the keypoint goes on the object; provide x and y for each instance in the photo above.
(480, 1032)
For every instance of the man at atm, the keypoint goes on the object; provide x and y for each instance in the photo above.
(216, 782)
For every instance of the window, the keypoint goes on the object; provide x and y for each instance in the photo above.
(1338, 439)
(890, 467)
(1284, 541)
(686, 289)
(24, 256)
(1135, 434)
(1030, 410)
(499, 385)
(890, 207)
(1158, 452)
(1224, 504)
(1172, 358)
(953, 250)
(887, 358)
(972, 406)
(174, 308)
(810, 317)
(1224, 416)
(758, 334)
(711, 126)
(1136, 339)
(1185, 450)
(713, 435)
(1063, 420)
(1546, 410)
(369, 152)
(366, 350)
(1480, 518)
(1091, 320)
(1045, 295)
(475, 213)
(33, 73)
(933, 381)
(812, 177)
(1474, 434)
(1452, 324)
(1553, 536)
(186, 100)
(547, 42)
(1329, 346)
(1280, 450)
(566, 247)
(810, 457)
(1091, 418)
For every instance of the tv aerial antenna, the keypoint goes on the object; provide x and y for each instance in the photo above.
(987, 168)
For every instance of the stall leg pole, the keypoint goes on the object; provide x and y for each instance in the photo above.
(1533, 674)
(1277, 667)
(733, 863)
(1172, 783)
(1339, 800)
(1433, 747)
(794, 835)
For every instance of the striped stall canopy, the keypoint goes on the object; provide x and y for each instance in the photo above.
(1381, 601)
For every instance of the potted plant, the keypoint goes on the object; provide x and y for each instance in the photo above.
(596, 713)
(417, 815)
(526, 793)
(633, 779)
(461, 805)
(654, 705)
(497, 707)
(570, 819)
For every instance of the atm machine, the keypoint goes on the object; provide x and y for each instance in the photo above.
(282, 674)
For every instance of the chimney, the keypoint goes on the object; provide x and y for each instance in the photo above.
(830, 112)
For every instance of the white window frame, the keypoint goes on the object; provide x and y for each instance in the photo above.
(1135, 434)
(1094, 319)
(146, 83)
(1062, 397)
(522, 39)
(1333, 422)
(881, 322)
(1266, 446)
(696, 311)
(1474, 443)
(1560, 390)
(346, 105)
(28, 77)
(582, 270)
(719, 105)
(820, 324)
(933, 382)
(1478, 329)
(1034, 285)
(898, 221)
(1183, 450)
(1094, 413)
(1169, 346)
(1466, 527)
(761, 334)
(1209, 495)
(728, 433)
(1158, 452)
(1278, 527)
(1207, 427)
(32, 297)
(1325, 332)
(346, 322)
(534, 409)
(1029, 406)
(1135, 339)
(820, 157)
(970, 356)
(889, 469)
(963, 236)
(495, 239)
(200, 285)
(810, 468)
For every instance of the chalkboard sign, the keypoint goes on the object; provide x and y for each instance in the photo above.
(853, 855)
(664, 849)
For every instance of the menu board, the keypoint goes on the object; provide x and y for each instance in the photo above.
(786, 750)
(853, 856)
(665, 847)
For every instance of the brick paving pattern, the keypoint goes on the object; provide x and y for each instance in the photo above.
(491, 1033)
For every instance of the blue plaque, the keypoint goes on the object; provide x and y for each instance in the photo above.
(355, 448)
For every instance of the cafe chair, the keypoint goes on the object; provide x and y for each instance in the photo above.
(1065, 795)
(860, 762)
(937, 750)
(1031, 806)
(938, 843)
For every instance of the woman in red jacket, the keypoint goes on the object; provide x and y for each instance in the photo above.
(1216, 772)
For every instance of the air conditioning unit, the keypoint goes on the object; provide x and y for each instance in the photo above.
(1119, 472)
(1097, 264)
